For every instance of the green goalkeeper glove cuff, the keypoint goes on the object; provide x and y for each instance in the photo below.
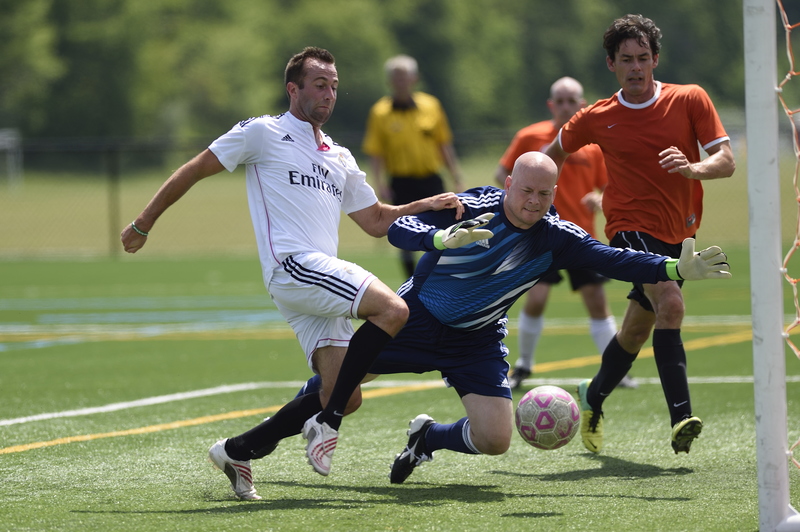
(463, 233)
(672, 270)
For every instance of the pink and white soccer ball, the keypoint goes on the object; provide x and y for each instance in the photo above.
(547, 417)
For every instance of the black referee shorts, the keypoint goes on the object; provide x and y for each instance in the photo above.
(408, 189)
(644, 242)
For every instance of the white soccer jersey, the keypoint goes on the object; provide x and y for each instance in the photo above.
(296, 192)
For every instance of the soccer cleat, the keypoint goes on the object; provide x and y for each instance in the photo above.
(238, 471)
(415, 452)
(684, 432)
(591, 420)
(628, 382)
(321, 444)
(517, 376)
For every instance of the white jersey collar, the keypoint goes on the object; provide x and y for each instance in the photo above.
(640, 105)
(308, 129)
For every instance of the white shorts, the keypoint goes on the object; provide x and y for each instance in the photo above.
(318, 295)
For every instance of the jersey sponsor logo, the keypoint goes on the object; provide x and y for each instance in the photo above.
(287, 138)
(315, 180)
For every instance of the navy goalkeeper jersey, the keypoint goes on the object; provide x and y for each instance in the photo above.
(474, 286)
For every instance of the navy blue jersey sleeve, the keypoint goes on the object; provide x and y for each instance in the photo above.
(581, 251)
(415, 232)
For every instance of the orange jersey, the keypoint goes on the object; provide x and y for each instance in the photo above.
(584, 171)
(640, 195)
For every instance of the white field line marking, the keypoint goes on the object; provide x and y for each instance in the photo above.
(233, 388)
(161, 399)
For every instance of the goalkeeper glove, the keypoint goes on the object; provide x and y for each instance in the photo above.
(707, 264)
(463, 233)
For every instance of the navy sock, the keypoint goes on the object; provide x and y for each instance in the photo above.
(671, 363)
(454, 437)
(365, 346)
(615, 365)
(262, 439)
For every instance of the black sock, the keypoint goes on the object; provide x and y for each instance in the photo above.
(615, 365)
(365, 346)
(671, 363)
(262, 439)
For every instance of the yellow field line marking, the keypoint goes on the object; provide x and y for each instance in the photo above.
(700, 343)
(379, 392)
(247, 334)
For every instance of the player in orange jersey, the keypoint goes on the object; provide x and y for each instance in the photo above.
(582, 180)
(649, 132)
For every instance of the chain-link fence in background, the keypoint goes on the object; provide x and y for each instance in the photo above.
(71, 198)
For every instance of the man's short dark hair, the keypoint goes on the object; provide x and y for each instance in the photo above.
(295, 68)
(636, 27)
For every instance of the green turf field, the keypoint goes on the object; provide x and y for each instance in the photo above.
(118, 375)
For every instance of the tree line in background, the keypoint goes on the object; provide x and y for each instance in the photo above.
(192, 68)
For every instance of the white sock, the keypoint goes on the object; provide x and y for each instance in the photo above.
(529, 331)
(602, 332)
(468, 438)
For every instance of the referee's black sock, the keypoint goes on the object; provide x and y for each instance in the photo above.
(262, 439)
(615, 365)
(671, 363)
(365, 346)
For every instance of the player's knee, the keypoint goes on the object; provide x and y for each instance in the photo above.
(494, 443)
(394, 315)
(670, 311)
(495, 446)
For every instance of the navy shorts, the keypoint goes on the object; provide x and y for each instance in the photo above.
(577, 278)
(644, 242)
(469, 361)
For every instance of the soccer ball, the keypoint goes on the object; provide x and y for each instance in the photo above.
(547, 417)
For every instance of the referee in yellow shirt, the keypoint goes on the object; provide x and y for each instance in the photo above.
(408, 139)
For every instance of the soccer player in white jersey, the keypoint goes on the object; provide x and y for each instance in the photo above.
(298, 183)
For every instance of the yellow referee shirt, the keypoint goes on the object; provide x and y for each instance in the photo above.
(410, 139)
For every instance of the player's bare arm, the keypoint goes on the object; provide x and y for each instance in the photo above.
(557, 153)
(593, 201)
(201, 166)
(719, 163)
(376, 219)
(451, 161)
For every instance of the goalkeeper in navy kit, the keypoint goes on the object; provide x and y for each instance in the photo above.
(471, 274)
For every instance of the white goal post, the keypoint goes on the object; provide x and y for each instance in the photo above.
(763, 188)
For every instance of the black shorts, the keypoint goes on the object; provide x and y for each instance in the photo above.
(577, 278)
(644, 242)
(408, 189)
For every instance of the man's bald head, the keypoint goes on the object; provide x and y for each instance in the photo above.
(530, 189)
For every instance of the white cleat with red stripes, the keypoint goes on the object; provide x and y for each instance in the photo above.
(321, 444)
(238, 471)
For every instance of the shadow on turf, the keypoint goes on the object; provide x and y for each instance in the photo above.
(610, 468)
(422, 494)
